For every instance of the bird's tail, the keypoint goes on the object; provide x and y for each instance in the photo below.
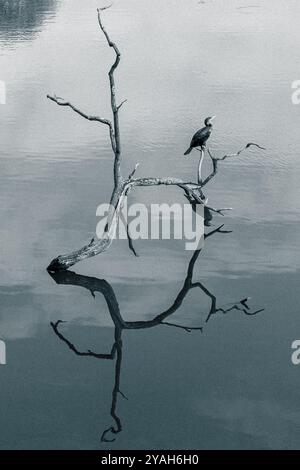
(188, 151)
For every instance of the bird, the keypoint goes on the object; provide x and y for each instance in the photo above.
(199, 139)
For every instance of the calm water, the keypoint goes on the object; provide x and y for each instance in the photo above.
(231, 385)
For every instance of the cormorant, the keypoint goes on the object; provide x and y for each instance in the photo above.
(201, 136)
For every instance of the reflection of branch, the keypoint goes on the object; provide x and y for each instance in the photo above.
(188, 329)
(99, 285)
(116, 391)
(71, 346)
(219, 211)
(130, 241)
(217, 230)
(241, 306)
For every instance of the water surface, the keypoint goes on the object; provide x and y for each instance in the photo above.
(229, 385)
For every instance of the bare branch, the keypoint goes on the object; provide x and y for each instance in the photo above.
(113, 127)
(109, 41)
(105, 8)
(114, 107)
(166, 181)
(242, 150)
(61, 102)
(200, 165)
(133, 172)
(216, 160)
(97, 246)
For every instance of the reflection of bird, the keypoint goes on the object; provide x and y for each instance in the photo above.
(201, 136)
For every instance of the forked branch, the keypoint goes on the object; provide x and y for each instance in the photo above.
(230, 155)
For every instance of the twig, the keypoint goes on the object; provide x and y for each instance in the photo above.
(133, 172)
(121, 104)
(62, 102)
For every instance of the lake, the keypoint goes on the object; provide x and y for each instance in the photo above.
(215, 370)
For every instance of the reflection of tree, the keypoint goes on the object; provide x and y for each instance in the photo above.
(20, 19)
(99, 285)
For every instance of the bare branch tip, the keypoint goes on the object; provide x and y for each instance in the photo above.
(121, 104)
(58, 322)
(104, 8)
(255, 145)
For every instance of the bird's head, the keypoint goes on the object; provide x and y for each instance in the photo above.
(208, 121)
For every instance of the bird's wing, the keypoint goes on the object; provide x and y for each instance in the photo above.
(200, 137)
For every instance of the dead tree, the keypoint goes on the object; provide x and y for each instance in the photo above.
(122, 186)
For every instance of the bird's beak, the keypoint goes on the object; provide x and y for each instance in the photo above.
(212, 118)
